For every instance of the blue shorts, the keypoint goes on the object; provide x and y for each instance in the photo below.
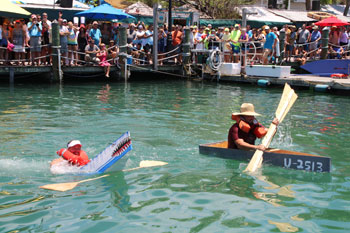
(235, 48)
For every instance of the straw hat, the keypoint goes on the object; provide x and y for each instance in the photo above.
(247, 109)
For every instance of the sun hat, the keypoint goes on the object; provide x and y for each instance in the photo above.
(247, 109)
(73, 143)
(267, 27)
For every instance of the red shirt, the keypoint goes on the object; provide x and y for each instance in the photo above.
(177, 37)
(236, 133)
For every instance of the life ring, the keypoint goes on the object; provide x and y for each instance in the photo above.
(339, 76)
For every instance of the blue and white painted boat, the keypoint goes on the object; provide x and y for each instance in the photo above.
(327, 67)
(112, 158)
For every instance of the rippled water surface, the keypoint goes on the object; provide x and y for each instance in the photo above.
(167, 121)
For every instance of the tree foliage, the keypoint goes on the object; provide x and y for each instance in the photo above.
(217, 9)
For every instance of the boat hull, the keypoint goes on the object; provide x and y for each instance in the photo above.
(276, 157)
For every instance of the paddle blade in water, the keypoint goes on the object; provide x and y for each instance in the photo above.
(150, 163)
(62, 187)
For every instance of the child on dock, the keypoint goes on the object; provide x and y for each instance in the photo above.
(102, 55)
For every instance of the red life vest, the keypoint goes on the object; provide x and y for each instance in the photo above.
(259, 130)
(80, 160)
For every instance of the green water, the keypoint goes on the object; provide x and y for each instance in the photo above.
(167, 121)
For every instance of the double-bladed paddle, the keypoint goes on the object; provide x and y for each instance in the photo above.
(287, 100)
(71, 185)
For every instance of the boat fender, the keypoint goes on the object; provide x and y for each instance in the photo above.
(80, 160)
(322, 87)
(339, 76)
(263, 82)
(259, 131)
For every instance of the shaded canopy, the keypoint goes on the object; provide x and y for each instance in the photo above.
(104, 12)
(331, 21)
(11, 10)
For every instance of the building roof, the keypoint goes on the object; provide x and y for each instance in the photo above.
(46, 4)
(262, 14)
(189, 8)
(293, 16)
(139, 8)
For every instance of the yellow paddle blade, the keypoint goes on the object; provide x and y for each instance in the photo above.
(287, 100)
(146, 163)
(61, 186)
(67, 186)
(150, 163)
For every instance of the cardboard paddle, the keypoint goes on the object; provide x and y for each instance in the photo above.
(287, 100)
(68, 186)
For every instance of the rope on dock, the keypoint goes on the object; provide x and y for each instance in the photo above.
(157, 71)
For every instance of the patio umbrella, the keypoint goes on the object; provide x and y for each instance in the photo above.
(331, 21)
(104, 12)
(11, 10)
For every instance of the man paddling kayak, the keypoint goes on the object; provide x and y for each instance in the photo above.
(243, 133)
(73, 154)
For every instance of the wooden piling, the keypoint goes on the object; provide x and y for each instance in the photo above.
(155, 36)
(12, 75)
(282, 38)
(186, 46)
(186, 55)
(56, 61)
(324, 39)
(123, 53)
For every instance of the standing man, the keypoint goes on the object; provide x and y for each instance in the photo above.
(45, 39)
(95, 33)
(235, 35)
(64, 40)
(304, 37)
(314, 39)
(34, 29)
(269, 45)
(177, 40)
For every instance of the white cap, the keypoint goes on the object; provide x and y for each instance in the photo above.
(73, 143)
(267, 27)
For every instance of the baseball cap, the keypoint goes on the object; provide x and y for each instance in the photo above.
(73, 143)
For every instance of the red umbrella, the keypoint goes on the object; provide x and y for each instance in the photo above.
(331, 21)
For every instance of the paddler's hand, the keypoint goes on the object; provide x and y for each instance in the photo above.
(275, 121)
(261, 147)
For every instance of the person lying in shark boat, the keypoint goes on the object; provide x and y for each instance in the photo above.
(73, 154)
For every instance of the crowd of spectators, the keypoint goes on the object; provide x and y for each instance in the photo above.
(97, 43)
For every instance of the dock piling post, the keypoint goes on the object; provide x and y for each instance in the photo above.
(186, 48)
(123, 52)
(155, 36)
(282, 38)
(324, 39)
(12, 75)
(56, 61)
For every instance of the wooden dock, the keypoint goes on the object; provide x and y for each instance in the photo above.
(316, 83)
